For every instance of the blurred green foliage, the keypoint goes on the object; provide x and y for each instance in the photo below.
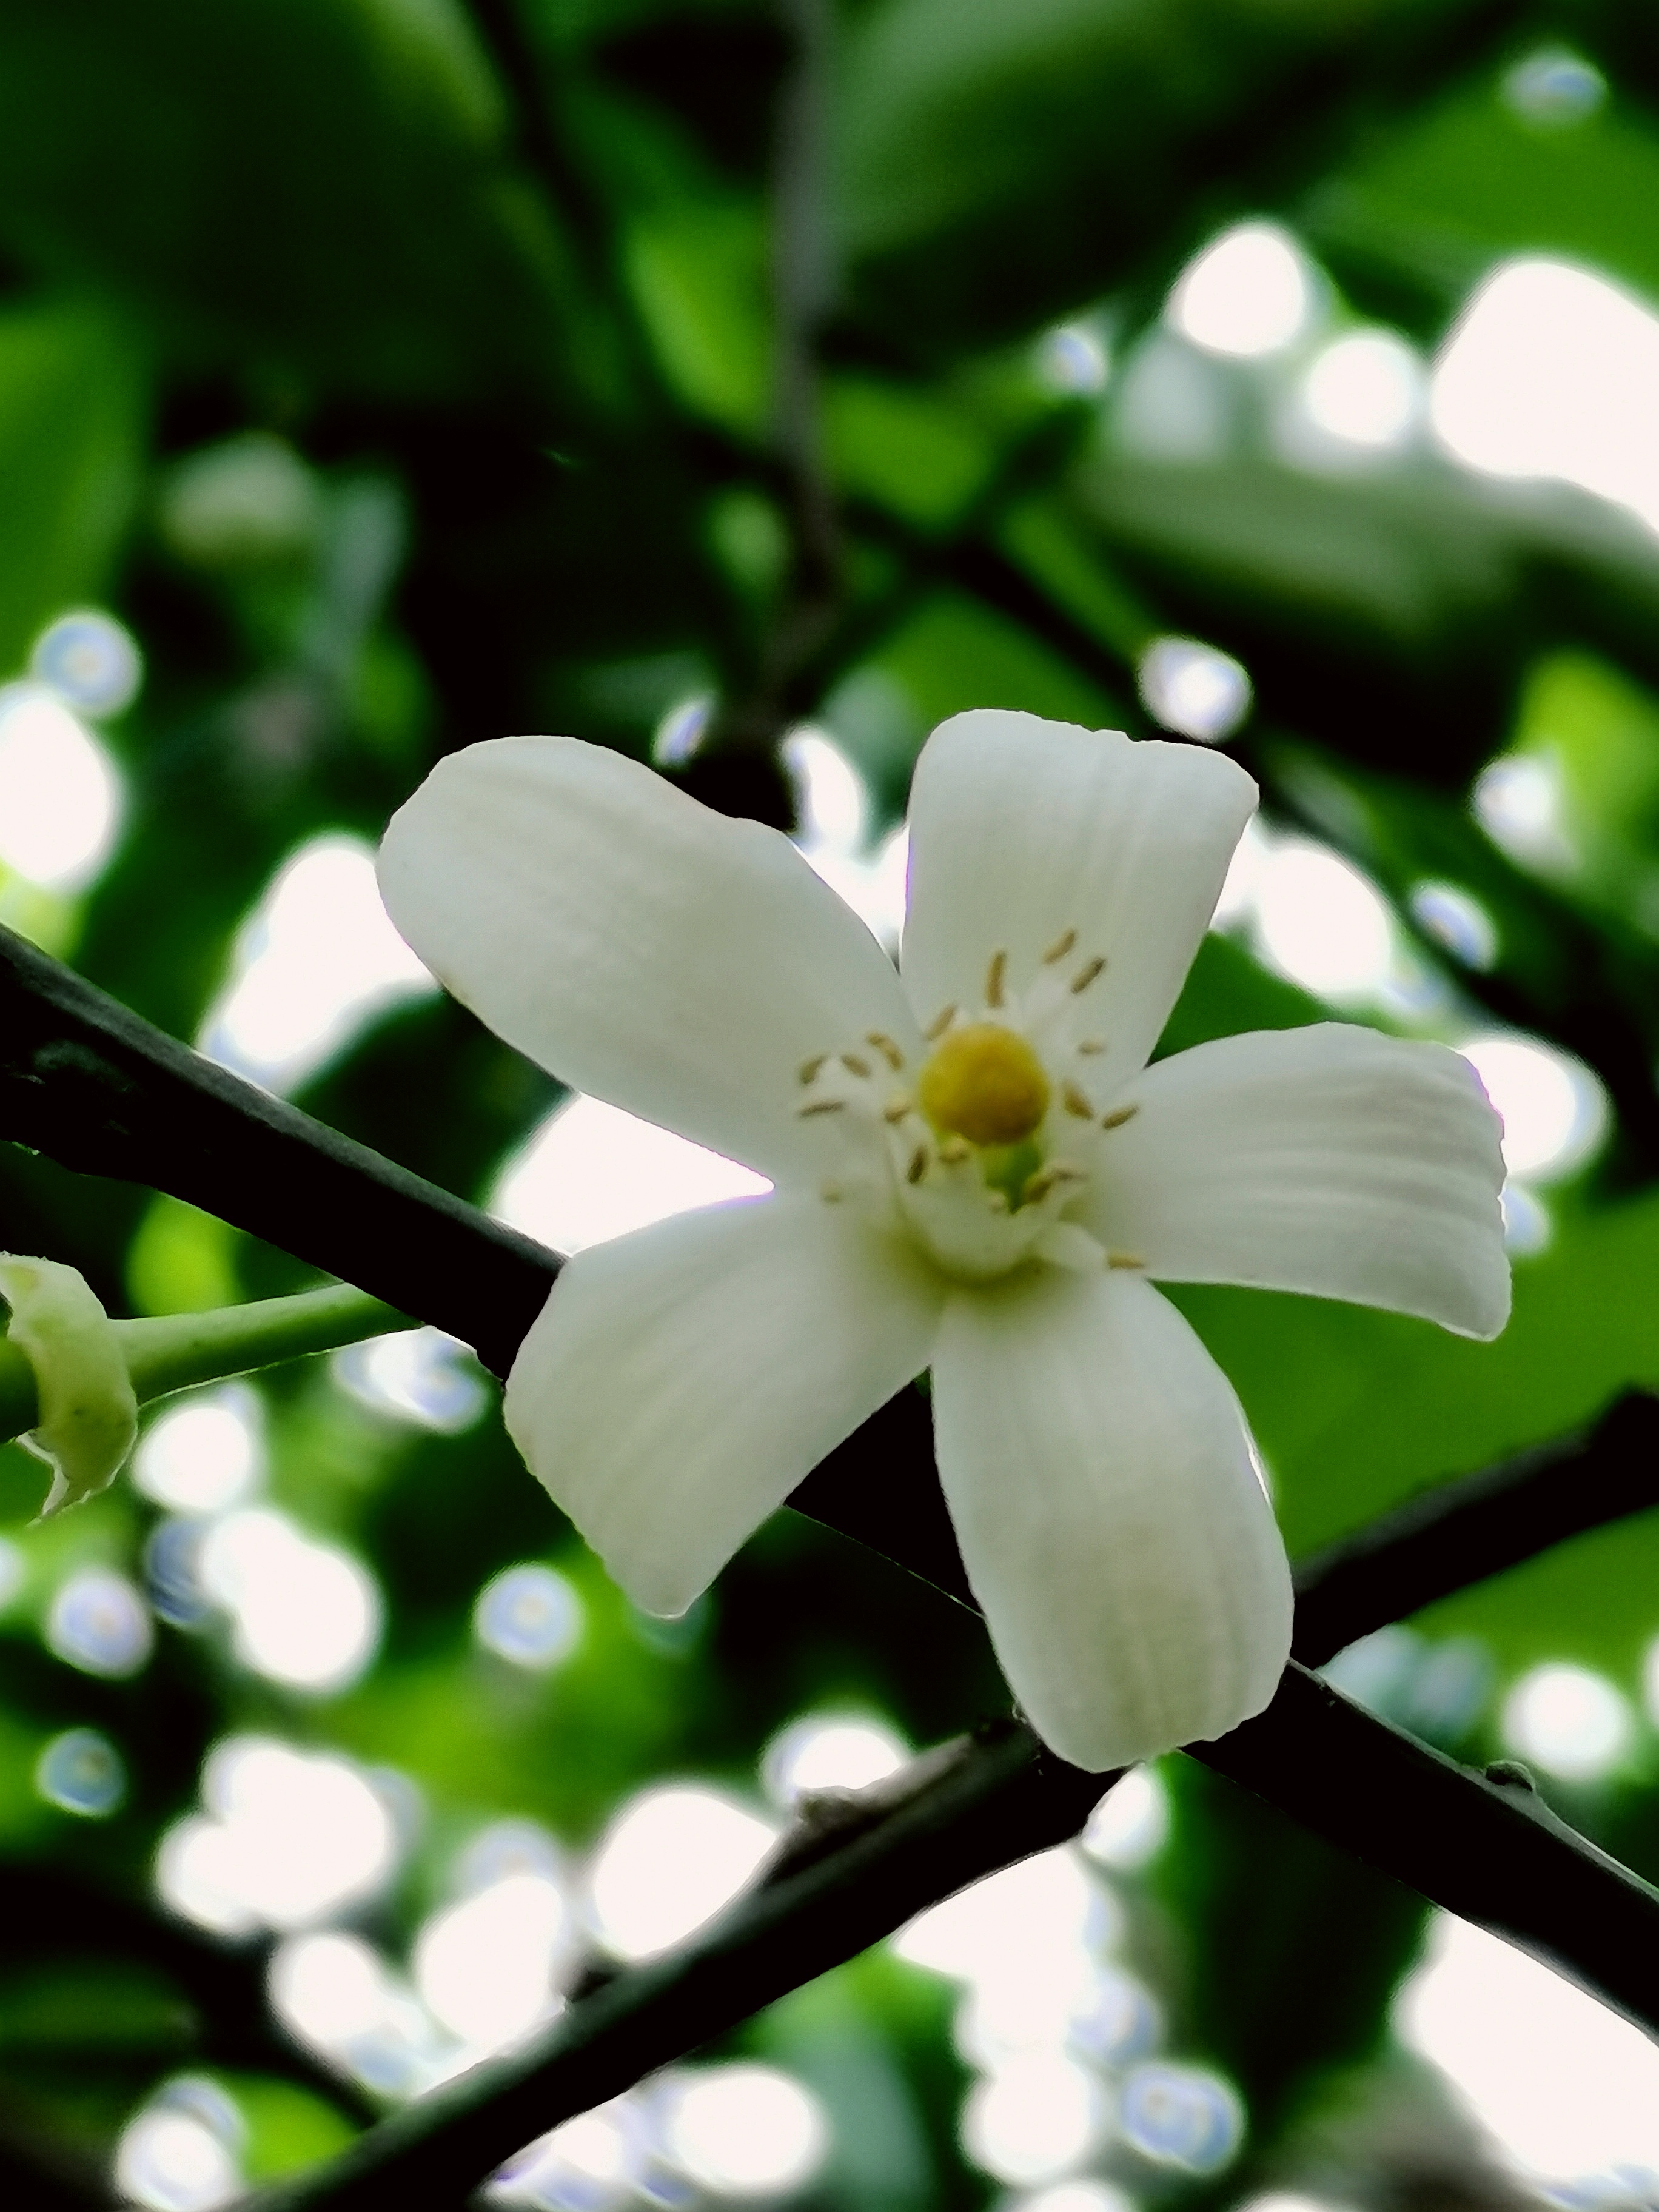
(403, 373)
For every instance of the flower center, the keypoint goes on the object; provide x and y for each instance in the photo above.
(982, 1156)
(983, 1082)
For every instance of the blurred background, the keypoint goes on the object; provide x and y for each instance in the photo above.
(747, 387)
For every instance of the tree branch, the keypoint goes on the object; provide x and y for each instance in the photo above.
(1459, 1533)
(96, 1088)
(1490, 1852)
(102, 1091)
(803, 287)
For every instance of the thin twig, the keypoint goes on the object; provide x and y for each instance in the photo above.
(96, 1088)
(803, 289)
(1001, 1798)
(1486, 1850)
(1459, 1533)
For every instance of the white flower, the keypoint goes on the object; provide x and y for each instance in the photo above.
(975, 1171)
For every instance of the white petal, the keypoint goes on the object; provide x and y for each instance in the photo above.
(680, 1382)
(89, 1414)
(1021, 829)
(1110, 1518)
(1332, 1160)
(639, 947)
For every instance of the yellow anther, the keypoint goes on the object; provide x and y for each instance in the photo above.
(995, 976)
(984, 1082)
(808, 1070)
(889, 1051)
(1124, 1260)
(854, 1066)
(1118, 1116)
(1091, 1045)
(1086, 974)
(897, 1106)
(954, 1151)
(918, 1166)
(941, 1022)
(1061, 946)
(1072, 1099)
(819, 1106)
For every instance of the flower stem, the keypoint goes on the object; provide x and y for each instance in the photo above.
(175, 1352)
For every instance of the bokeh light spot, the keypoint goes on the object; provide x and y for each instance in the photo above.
(90, 660)
(485, 1966)
(1194, 688)
(287, 1837)
(1569, 2089)
(60, 799)
(830, 1751)
(1131, 1824)
(99, 1623)
(530, 1615)
(668, 1862)
(1568, 1720)
(1037, 2118)
(1552, 371)
(1322, 924)
(417, 1374)
(203, 1453)
(591, 1172)
(1248, 294)
(1553, 1109)
(305, 1614)
(1457, 921)
(1181, 2116)
(744, 2130)
(1366, 388)
(81, 1771)
(317, 957)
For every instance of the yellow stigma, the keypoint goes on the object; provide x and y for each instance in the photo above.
(984, 1082)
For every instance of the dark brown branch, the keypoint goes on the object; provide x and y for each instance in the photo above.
(97, 1089)
(1459, 1533)
(1488, 1851)
(980, 1805)
(803, 288)
(102, 1091)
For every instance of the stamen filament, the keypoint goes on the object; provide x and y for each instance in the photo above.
(1045, 1180)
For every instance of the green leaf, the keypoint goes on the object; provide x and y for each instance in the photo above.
(1356, 1410)
(1473, 181)
(73, 408)
(1000, 164)
(320, 182)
